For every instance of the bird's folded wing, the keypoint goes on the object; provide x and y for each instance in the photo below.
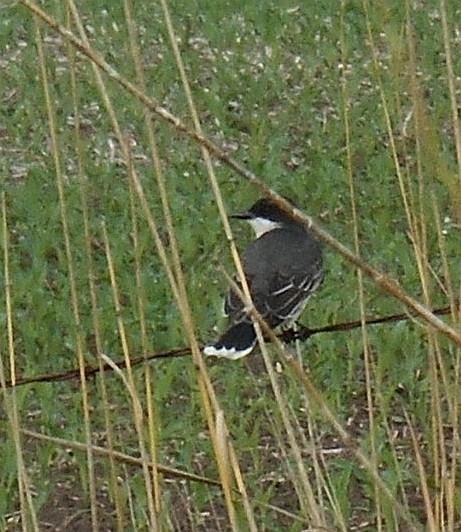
(288, 295)
(279, 299)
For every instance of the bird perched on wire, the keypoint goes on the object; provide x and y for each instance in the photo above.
(283, 267)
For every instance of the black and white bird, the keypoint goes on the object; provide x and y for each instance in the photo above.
(283, 267)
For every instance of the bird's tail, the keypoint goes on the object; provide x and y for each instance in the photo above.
(237, 342)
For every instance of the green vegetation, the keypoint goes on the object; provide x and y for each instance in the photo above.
(347, 107)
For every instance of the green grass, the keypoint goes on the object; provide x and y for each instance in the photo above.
(269, 81)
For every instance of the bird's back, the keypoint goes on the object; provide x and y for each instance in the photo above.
(286, 250)
(282, 268)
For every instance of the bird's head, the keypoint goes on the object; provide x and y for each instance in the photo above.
(264, 216)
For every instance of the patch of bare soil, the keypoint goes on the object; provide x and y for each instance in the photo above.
(67, 508)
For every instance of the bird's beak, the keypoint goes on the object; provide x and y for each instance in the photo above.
(241, 216)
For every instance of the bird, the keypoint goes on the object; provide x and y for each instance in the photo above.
(282, 267)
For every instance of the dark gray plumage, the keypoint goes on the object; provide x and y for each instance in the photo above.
(283, 267)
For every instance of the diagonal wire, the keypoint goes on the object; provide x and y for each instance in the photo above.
(288, 336)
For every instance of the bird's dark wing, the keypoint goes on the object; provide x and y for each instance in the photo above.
(282, 267)
(287, 295)
(278, 299)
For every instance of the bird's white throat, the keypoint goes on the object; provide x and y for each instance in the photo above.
(263, 225)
